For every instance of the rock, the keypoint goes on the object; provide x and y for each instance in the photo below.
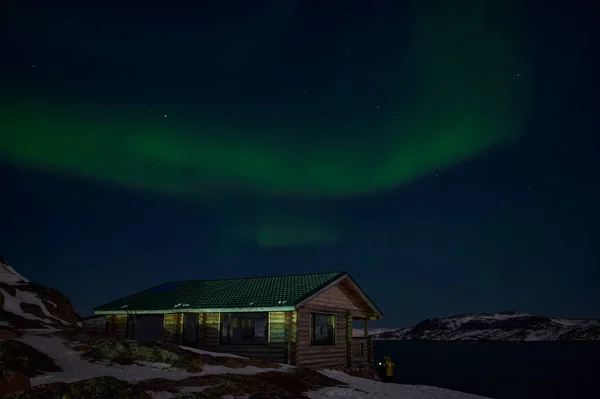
(127, 352)
(105, 387)
(9, 288)
(21, 322)
(56, 303)
(99, 387)
(8, 334)
(22, 358)
(52, 390)
(158, 385)
(12, 381)
(33, 309)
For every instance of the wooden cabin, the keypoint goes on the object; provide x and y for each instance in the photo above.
(303, 319)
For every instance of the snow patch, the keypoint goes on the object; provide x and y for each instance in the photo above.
(368, 389)
(9, 275)
(213, 354)
(12, 304)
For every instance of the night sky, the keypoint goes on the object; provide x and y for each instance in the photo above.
(445, 153)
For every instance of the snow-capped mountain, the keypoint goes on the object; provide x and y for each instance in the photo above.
(504, 326)
(24, 304)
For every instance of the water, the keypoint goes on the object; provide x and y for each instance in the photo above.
(499, 370)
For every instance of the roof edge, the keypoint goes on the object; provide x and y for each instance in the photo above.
(342, 276)
(337, 277)
(366, 297)
(196, 310)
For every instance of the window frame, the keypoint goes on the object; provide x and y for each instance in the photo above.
(226, 340)
(312, 329)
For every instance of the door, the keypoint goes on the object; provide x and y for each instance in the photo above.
(190, 329)
(148, 327)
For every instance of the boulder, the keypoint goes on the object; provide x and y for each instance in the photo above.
(6, 333)
(22, 358)
(12, 381)
(127, 352)
(99, 387)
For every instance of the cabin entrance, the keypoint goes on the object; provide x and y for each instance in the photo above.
(190, 329)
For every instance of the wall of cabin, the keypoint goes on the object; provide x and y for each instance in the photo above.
(172, 327)
(341, 296)
(277, 350)
(95, 323)
(319, 356)
(290, 333)
(342, 302)
(117, 324)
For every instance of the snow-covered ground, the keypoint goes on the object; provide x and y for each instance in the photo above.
(8, 275)
(74, 368)
(368, 389)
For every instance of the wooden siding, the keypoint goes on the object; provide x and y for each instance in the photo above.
(320, 356)
(370, 350)
(279, 329)
(346, 304)
(349, 354)
(208, 330)
(291, 339)
(173, 323)
(342, 297)
(97, 323)
(117, 324)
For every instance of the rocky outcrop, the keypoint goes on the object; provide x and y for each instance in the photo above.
(270, 385)
(55, 302)
(19, 362)
(12, 381)
(20, 357)
(25, 304)
(99, 387)
(127, 352)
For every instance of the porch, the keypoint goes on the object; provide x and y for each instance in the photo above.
(360, 348)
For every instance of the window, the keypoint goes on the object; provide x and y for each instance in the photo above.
(244, 328)
(323, 329)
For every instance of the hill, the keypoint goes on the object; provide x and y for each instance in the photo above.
(503, 326)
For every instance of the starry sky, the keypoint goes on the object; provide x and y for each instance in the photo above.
(442, 152)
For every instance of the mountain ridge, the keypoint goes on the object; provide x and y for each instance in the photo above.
(508, 326)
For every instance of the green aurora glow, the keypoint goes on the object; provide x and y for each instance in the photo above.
(469, 93)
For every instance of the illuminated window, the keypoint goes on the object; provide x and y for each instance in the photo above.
(323, 329)
(244, 328)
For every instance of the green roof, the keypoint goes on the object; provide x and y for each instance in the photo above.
(253, 293)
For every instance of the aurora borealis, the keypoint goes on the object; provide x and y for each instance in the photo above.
(286, 125)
